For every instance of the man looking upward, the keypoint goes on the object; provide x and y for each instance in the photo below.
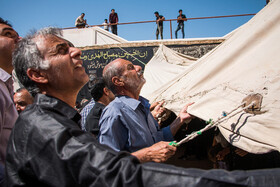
(8, 113)
(127, 123)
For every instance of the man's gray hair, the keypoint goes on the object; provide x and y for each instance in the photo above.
(109, 72)
(27, 55)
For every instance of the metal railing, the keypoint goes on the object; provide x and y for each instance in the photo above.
(170, 20)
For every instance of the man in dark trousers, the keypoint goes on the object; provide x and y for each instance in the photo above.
(180, 20)
(113, 20)
(159, 22)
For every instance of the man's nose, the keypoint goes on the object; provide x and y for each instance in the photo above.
(17, 39)
(75, 52)
(137, 68)
(17, 107)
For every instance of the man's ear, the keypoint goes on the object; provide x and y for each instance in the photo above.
(37, 76)
(117, 81)
(106, 91)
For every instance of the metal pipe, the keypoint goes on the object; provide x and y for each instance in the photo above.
(170, 29)
(186, 19)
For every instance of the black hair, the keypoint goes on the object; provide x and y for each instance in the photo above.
(27, 55)
(112, 9)
(156, 12)
(2, 21)
(82, 13)
(20, 89)
(97, 89)
(180, 10)
(105, 19)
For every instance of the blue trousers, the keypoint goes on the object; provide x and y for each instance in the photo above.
(180, 26)
(159, 31)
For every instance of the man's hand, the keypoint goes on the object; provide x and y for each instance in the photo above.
(179, 121)
(184, 115)
(158, 152)
(157, 109)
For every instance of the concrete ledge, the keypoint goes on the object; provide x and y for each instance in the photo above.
(193, 41)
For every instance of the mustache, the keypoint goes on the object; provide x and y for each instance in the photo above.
(139, 73)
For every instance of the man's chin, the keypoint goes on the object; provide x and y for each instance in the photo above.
(142, 84)
(83, 80)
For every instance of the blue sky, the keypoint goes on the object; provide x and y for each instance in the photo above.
(35, 14)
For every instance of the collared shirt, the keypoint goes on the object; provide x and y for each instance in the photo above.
(84, 113)
(127, 124)
(8, 112)
(113, 18)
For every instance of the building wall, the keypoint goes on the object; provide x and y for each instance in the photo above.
(195, 50)
(96, 57)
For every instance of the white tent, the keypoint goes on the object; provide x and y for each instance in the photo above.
(247, 62)
(91, 36)
(165, 65)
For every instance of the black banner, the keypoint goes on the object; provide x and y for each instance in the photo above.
(95, 60)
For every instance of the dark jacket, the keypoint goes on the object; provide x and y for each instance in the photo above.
(92, 120)
(48, 148)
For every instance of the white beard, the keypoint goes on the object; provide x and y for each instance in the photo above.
(134, 87)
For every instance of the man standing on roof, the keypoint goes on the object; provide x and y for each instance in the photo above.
(113, 20)
(159, 21)
(106, 25)
(180, 21)
(80, 21)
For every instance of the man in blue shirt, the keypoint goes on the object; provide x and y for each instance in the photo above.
(127, 123)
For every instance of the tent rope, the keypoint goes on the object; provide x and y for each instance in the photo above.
(211, 124)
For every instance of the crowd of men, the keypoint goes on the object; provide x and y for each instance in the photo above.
(114, 19)
(47, 146)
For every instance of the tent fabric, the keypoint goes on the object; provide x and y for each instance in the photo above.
(91, 36)
(165, 65)
(247, 62)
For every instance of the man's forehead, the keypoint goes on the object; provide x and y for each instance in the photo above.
(5, 27)
(124, 62)
(50, 40)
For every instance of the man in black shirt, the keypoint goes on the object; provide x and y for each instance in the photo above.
(159, 21)
(102, 97)
(180, 20)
